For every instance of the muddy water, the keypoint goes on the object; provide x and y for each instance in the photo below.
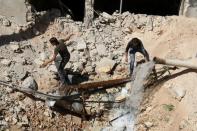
(125, 115)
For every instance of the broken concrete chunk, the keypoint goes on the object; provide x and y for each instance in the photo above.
(38, 62)
(6, 22)
(120, 98)
(101, 49)
(81, 45)
(105, 65)
(7, 79)
(6, 62)
(178, 92)
(107, 17)
(50, 103)
(52, 68)
(148, 124)
(183, 124)
(14, 46)
(19, 71)
(19, 60)
(30, 84)
(78, 107)
(43, 56)
(89, 69)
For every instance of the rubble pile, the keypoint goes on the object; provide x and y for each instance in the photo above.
(94, 51)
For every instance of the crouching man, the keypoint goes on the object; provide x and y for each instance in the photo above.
(134, 45)
(61, 49)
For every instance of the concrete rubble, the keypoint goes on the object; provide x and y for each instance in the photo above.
(30, 83)
(95, 52)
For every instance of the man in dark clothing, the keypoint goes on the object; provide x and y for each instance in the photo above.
(135, 45)
(61, 49)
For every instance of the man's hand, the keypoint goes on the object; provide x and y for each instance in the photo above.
(43, 65)
(48, 61)
(126, 59)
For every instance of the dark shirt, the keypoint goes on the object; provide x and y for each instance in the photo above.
(61, 48)
(134, 46)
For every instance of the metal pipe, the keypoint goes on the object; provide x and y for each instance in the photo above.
(179, 63)
(120, 11)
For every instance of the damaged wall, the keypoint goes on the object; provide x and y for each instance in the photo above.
(188, 8)
(18, 10)
(15, 10)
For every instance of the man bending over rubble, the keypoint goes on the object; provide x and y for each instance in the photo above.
(61, 49)
(135, 45)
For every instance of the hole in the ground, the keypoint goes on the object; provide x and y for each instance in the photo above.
(76, 7)
(150, 7)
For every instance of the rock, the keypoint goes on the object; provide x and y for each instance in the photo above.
(105, 65)
(81, 45)
(6, 76)
(89, 69)
(6, 22)
(148, 109)
(107, 17)
(30, 83)
(68, 65)
(7, 119)
(38, 62)
(50, 103)
(78, 66)
(48, 113)
(19, 60)
(141, 127)
(78, 107)
(52, 68)
(6, 62)
(178, 92)
(93, 52)
(43, 56)
(15, 47)
(128, 86)
(125, 14)
(74, 57)
(19, 71)
(120, 98)
(25, 120)
(27, 102)
(9, 90)
(148, 124)
(101, 49)
(3, 123)
(14, 120)
(183, 124)
(149, 25)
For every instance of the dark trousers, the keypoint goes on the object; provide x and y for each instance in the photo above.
(132, 57)
(62, 74)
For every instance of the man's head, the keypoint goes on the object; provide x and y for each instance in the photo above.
(136, 41)
(54, 41)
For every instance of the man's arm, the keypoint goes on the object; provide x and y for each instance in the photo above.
(68, 37)
(49, 61)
